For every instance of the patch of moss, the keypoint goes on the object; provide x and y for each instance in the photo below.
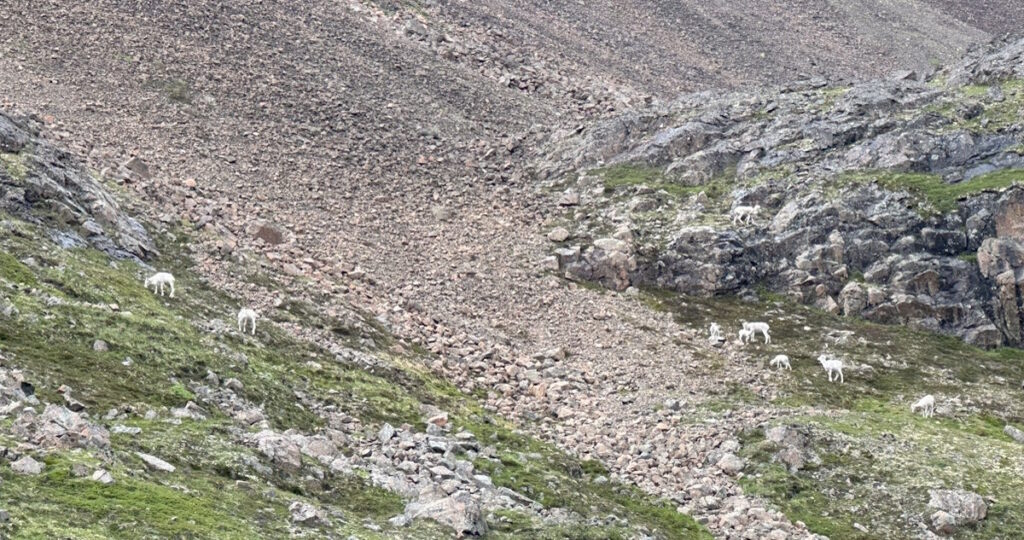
(999, 115)
(939, 196)
(831, 95)
(14, 164)
(178, 91)
(12, 270)
(627, 175)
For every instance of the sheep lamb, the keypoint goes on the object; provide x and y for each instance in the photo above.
(833, 366)
(158, 280)
(245, 317)
(926, 405)
(781, 362)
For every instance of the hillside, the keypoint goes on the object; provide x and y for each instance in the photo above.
(131, 415)
(495, 210)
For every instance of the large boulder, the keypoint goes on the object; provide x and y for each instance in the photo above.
(1001, 261)
(60, 428)
(460, 511)
(965, 508)
(281, 450)
(609, 261)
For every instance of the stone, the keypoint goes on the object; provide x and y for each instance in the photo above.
(102, 477)
(61, 428)
(27, 466)
(125, 430)
(943, 523)
(155, 463)
(307, 514)
(270, 234)
(139, 167)
(460, 511)
(731, 464)
(281, 450)
(569, 198)
(853, 299)
(558, 234)
(73, 404)
(386, 432)
(100, 346)
(439, 420)
(967, 508)
(234, 385)
(1014, 433)
(212, 379)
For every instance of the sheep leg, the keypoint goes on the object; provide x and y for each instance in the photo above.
(171, 285)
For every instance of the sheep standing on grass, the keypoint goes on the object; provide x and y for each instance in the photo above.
(716, 333)
(744, 214)
(754, 327)
(246, 315)
(781, 362)
(833, 366)
(926, 405)
(746, 335)
(158, 280)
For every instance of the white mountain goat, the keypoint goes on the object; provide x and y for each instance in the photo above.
(158, 280)
(716, 332)
(833, 366)
(246, 315)
(745, 214)
(755, 327)
(746, 335)
(781, 362)
(926, 405)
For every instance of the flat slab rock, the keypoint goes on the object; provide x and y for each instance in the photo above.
(155, 463)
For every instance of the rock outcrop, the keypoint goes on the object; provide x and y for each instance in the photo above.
(893, 200)
(40, 181)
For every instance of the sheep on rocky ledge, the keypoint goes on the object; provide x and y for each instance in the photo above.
(745, 214)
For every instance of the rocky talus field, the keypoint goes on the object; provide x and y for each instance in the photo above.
(485, 242)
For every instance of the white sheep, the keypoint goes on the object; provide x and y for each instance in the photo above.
(746, 335)
(246, 315)
(755, 327)
(716, 332)
(781, 362)
(833, 366)
(926, 405)
(745, 214)
(158, 280)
